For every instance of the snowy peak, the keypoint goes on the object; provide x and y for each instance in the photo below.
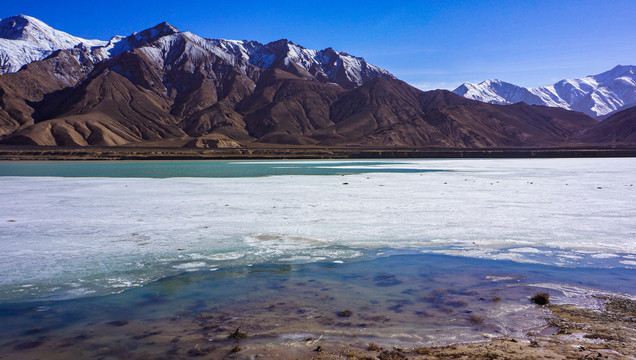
(596, 95)
(616, 72)
(24, 39)
(326, 65)
(35, 32)
(30, 29)
(154, 33)
(492, 91)
(120, 44)
(14, 28)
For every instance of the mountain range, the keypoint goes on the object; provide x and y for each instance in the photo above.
(596, 95)
(164, 87)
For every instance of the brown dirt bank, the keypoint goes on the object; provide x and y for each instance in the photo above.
(570, 333)
(293, 152)
(573, 333)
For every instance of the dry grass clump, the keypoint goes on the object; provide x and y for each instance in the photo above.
(541, 298)
(353, 355)
(422, 351)
(395, 354)
(237, 335)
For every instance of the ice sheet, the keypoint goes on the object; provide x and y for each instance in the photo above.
(78, 234)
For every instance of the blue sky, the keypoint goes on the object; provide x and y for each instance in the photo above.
(430, 44)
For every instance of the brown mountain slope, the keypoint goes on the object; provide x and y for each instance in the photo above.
(20, 91)
(287, 109)
(217, 119)
(391, 112)
(135, 98)
(619, 128)
(176, 87)
(109, 110)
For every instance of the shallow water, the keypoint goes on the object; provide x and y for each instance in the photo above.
(397, 300)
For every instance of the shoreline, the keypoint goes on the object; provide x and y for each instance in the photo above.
(570, 333)
(298, 152)
(412, 306)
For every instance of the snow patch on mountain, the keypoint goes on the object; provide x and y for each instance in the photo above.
(596, 95)
(329, 65)
(24, 39)
(120, 44)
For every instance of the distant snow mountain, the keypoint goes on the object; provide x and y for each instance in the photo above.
(596, 95)
(24, 39)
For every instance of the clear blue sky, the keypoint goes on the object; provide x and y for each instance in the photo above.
(430, 44)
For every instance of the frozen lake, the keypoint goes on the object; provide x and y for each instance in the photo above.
(78, 229)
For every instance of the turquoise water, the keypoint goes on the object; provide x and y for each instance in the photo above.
(205, 169)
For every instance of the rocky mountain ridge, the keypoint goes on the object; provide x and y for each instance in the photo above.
(24, 39)
(165, 87)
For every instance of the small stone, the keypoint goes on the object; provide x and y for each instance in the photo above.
(196, 351)
(118, 323)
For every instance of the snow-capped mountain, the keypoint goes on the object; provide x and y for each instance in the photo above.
(161, 83)
(24, 39)
(325, 65)
(596, 95)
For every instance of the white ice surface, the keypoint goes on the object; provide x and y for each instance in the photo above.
(85, 235)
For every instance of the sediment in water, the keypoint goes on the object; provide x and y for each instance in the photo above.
(416, 306)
